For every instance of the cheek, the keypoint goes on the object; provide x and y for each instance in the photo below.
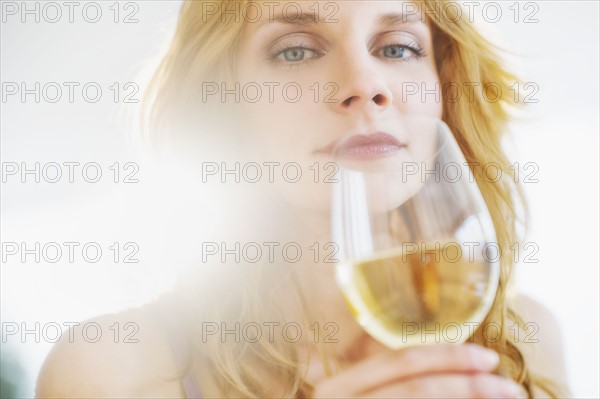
(278, 107)
(284, 121)
(420, 95)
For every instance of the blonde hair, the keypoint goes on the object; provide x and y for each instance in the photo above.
(463, 55)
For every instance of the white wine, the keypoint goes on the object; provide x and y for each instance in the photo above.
(432, 293)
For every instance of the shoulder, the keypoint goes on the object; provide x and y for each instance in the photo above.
(539, 338)
(125, 354)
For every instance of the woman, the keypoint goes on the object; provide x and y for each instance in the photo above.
(298, 75)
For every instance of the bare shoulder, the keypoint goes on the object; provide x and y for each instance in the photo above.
(541, 342)
(125, 354)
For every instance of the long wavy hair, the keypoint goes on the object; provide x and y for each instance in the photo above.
(203, 49)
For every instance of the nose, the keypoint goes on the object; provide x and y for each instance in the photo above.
(361, 88)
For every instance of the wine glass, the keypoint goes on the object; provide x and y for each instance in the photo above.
(417, 259)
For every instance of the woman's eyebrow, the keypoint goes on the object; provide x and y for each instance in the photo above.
(302, 19)
(395, 18)
(312, 18)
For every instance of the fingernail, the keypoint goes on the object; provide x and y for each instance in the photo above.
(489, 358)
(510, 389)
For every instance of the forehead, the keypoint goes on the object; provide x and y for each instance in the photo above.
(257, 14)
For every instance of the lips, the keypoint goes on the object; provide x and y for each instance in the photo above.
(366, 147)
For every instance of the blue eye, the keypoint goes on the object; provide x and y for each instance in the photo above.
(294, 54)
(398, 51)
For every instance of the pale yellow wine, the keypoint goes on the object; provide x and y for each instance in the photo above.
(430, 294)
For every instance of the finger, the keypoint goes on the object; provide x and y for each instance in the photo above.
(450, 386)
(410, 362)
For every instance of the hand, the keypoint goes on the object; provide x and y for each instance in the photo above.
(432, 371)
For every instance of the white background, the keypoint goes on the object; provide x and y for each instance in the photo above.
(559, 133)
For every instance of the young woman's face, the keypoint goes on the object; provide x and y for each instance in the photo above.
(314, 73)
